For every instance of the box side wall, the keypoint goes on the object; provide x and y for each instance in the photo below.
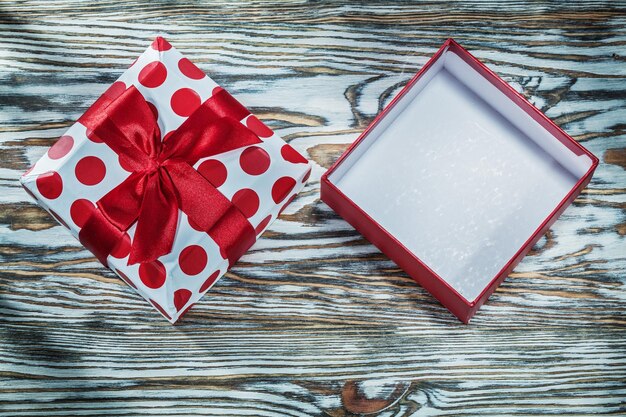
(533, 112)
(480, 84)
(533, 240)
(387, 244)
(387, 116)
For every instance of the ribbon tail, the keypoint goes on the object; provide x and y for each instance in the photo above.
(157, 221)
(234, 234)
(212, 211)
(100, 236)
(199, 199)
(121, 205)
(115, 213)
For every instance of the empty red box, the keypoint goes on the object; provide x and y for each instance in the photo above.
(457, 179)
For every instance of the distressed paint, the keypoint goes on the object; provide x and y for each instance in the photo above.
(314, 320)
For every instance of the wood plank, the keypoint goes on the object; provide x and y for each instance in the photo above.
(314, 320)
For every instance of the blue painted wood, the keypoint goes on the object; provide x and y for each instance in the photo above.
(314, 320)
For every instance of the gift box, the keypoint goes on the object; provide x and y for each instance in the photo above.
(167, 179)
(457, 179)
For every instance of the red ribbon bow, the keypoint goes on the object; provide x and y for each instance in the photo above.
(163, 179)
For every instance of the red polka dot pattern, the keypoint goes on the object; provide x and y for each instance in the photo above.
(122, 249)
(161, 310)
(180, 316)
(192, 260)
(195, 262)
(258, 127)
(247, 201)
(214, 171)
(216, 90)
(153, 74)
(289, 154)
(194, 225)
(281, 188)
(61, 148)
(254, 160)
(181, 297)
(185, 101)
(210, 280)
(125, 278)
(80, 211)
(152, 274)
(306, 176)
(263, 224)
(160, 44)
(50, 185)
(190, 70)
(115, 90)
(90, 170)
(92, 136)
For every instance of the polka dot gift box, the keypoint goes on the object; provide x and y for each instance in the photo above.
(167, 179)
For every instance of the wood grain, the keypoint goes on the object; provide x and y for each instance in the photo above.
(314, 321)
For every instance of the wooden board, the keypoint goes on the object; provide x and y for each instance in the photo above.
(314, 321)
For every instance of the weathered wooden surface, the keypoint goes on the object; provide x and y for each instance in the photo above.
(314, 320)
